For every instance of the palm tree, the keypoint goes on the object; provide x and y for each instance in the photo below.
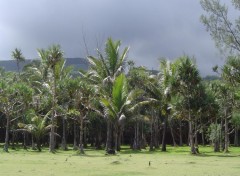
(38, 128)
(103, 72)
(51, 57)
(169, 88)
(18, 56)
(117, 105)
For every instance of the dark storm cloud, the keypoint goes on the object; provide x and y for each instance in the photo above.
(152, 29)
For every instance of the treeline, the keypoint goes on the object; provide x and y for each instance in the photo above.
(115, 103)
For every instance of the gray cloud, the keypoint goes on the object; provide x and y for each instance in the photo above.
(152, 29)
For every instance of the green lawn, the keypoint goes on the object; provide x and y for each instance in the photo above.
(175, 162)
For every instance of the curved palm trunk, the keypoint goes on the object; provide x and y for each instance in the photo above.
(6, 145)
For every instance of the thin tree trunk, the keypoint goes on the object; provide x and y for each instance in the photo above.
(136, 144)
(236, 137)
(7, 135)
(164, 148)
(98, 139)
(191, 138)
(64, 143)
(151, 140)
(156, 141)
(226, 132)
(202, 131)
(143, 140)
(180, 134)
(109, 146)
(38, 145)
(13, 140)
(203, 139)
(116, 137)
(172, 134)
(221, 136)
(81, 136)
(75, 145)
(216, 146)
(52, 132)
(135, 137)
(33, 145)
(25, 140)
(85, 141)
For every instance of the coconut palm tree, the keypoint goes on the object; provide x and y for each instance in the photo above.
(51, 57)
(103, 72)
(38, 127)
(118, 105)
(18, 56)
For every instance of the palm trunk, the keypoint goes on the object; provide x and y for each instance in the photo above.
(109, 137)
(81, 136)
(221, 136)
(180, 134)
(25, 140)
(151, 140)
(164, 148)
(52, 136)
(7, 134)
(172, 134)
(85, 141)
(13, 140)
(136, 145)
(156, 141)
(116, 137)
(75, 146)
(33, 145)
(203, 139)
(64, 143)
(236, 137)
(38, 144)
(143, 140)
(226, 132)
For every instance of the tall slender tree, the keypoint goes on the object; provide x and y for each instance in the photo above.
(18, 56)
(51, 57)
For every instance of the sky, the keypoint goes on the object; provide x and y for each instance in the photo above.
(152, 29)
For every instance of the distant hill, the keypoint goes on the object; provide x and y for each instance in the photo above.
(77, 63)
(211, 78)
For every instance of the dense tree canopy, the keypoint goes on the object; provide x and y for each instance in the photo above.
(116, 102)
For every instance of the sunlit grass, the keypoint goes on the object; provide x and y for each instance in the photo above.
(176, 161)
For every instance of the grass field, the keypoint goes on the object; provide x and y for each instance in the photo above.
(176, 162)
